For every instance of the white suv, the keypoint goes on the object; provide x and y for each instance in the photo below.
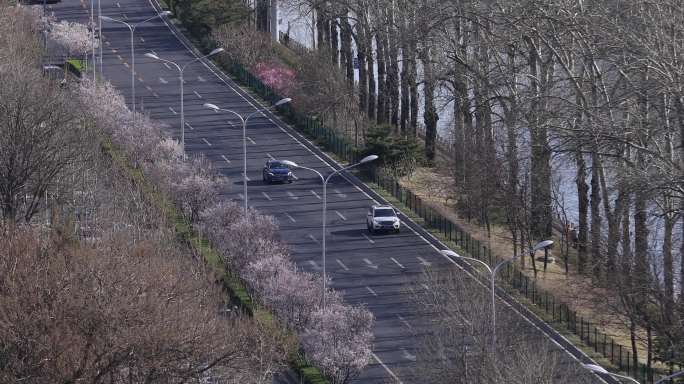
(382, 217)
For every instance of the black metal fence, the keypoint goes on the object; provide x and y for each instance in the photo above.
(555, 312)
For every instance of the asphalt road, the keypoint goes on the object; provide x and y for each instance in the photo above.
(375, 270)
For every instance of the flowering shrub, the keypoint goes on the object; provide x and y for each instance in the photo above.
(336, 338)
(276, 76)
(74, 37)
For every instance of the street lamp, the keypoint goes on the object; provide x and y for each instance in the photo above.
(244, 121)
(182, 94)
(599, 369)
(492, 274)
(132, 28)
(325, 180)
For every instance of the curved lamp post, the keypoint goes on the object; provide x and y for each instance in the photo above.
(182, 94)
(492, 277)
(132, 28)
(325, 180)
(244, 121)
(599, 369)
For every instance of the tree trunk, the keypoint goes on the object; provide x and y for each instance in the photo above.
(668, 267)
(393, 69)
(371, 78)
(362, 47)
(430, 116)
(334, 43)
(320, 26)
(541, 213)
(595, 205)
(347, 53)
(382, 81)
(583, 208)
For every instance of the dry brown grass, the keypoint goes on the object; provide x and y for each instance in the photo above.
(596, 304)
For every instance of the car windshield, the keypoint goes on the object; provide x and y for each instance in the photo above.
(277, 165)
(384, 212)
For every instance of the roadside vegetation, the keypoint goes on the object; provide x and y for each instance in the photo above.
(98, 283)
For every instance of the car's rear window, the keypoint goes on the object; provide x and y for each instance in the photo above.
(277, 164)
(384, 212)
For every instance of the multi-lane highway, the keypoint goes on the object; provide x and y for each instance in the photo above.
(375, 270)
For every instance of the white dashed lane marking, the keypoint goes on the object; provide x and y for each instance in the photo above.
(189, 126)
(163, 80)
(292, 195)
(368, 238)
(342, 264)
(172, 111)
(250, 140)
(339, 193)
(341, 216)
(314, 264)
(197, 94)
(397, 263)
(292, 219)
(206, 141)
(312, 237)
(370, 264)
(371, 291)
(266, 196)
(270, 157)
(225, 158)
(315, 194)
(201, 79)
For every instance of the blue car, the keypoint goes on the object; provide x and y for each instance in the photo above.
(275, 170)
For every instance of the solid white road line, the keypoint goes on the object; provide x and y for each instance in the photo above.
(197, 94)
(292, 219)
(342, 264)
(368, 238)
(371, 291)
(292, 195)
(370, 264)
(341, 216)
(386, 368)
(340, 194)
(250, 140)
(208, 143)
(189, 126)
(172, 111)
(163, 80)
(397, 263)
(266, 196)
(312, 237)
(315, 194)
(225, 158)
(424, 262)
